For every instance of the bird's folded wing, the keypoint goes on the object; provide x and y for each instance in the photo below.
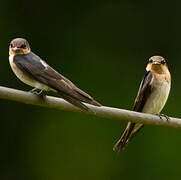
(39, 70)
(132, 128)
(142, 96)
(143, 92)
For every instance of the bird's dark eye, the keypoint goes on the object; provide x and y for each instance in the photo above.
(150, 61)
(23, 46)
(11, 45)
(163, 62)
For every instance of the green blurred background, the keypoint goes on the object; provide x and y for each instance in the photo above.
(103, 47)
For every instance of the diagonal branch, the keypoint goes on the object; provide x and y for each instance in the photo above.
(104, 112)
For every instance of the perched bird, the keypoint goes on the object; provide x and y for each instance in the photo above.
(32, 70)
(151, 97)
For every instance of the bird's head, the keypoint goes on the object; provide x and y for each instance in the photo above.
(19, 46)
(157, 64)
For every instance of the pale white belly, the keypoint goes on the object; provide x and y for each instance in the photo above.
(158, 98)
(25, 78)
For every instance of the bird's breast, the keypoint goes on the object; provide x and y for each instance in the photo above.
(158, 97)
(16, 70)
(25, 78)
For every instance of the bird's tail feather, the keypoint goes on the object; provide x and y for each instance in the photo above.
(84, 97)
(75, 102)
(130, 131)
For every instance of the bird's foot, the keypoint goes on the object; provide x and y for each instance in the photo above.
(40, 93)
(34, 90)
(161, 116)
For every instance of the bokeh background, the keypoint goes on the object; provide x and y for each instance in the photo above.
(103, 47)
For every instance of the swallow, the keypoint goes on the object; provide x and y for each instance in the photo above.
(151, 98)
(35, 72)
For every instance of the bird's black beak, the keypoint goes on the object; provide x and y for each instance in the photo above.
(15, 49)
(156, 63)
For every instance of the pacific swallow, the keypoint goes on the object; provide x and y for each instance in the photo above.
(151, 98)
(34, 71)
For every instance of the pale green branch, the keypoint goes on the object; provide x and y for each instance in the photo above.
(104, 112)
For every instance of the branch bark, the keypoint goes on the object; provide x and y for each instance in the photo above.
(103, 111)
